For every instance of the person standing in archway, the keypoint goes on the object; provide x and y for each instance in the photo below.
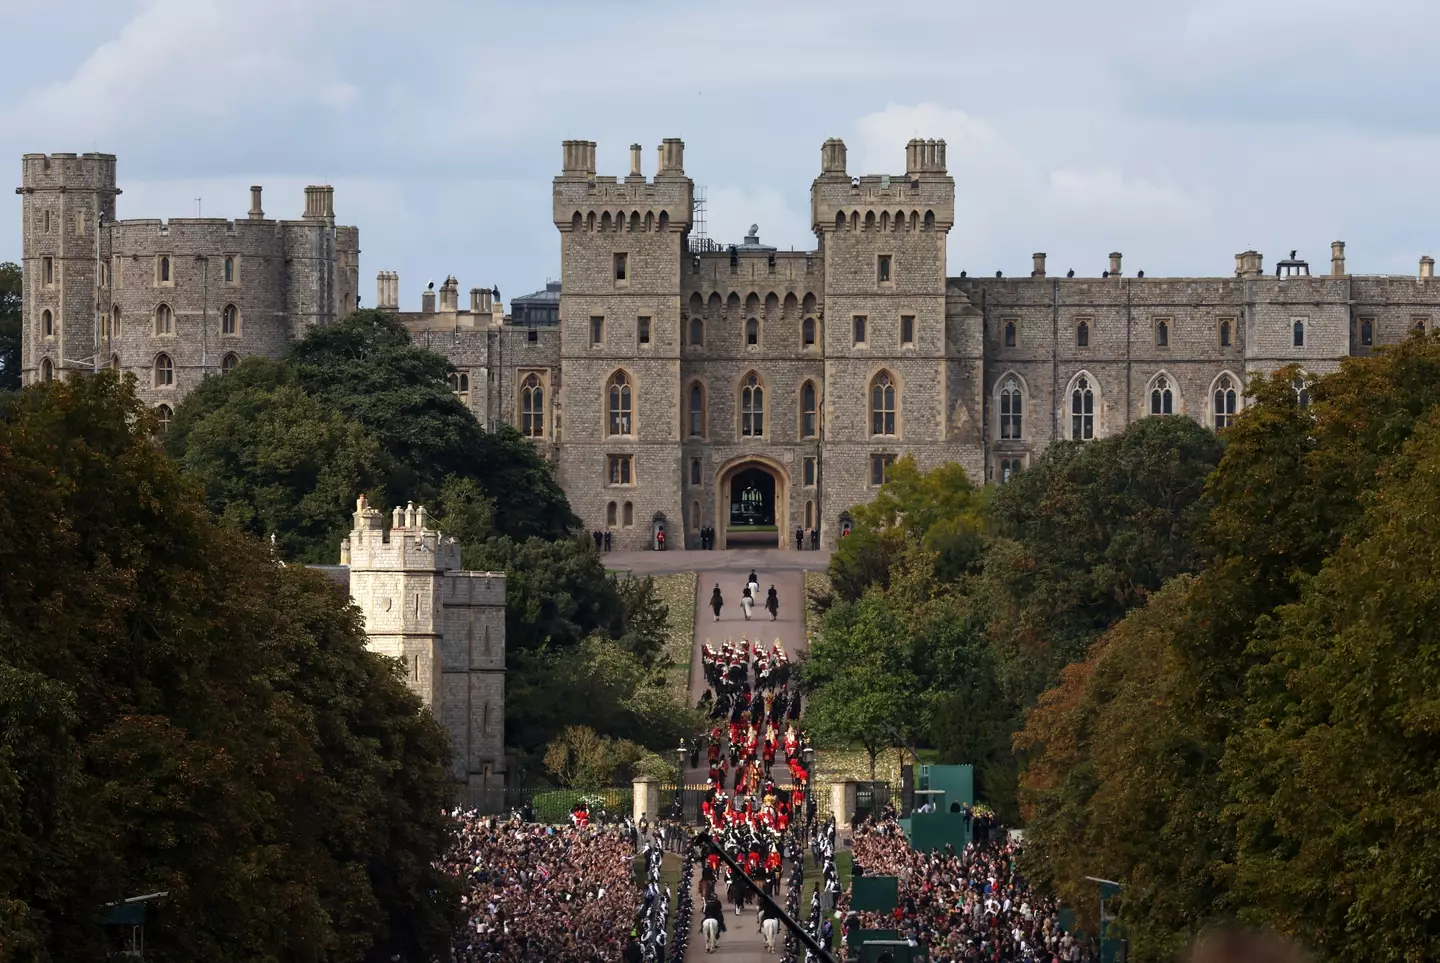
(799, 539)
(747, 603)
(716, 601)
(772, 604)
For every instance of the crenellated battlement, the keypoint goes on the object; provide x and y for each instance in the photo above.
(409, 546)
(923, 198)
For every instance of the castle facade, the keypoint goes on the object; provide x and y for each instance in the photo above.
(681, 383)
(170, 301)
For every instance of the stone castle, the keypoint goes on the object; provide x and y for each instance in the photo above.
(679, 382)
(446, 625)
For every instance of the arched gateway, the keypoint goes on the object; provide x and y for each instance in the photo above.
(754, 500)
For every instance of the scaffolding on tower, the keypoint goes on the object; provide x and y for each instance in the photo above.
(699, 240)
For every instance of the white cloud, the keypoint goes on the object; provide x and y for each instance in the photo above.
(179, 62)
(1110, 195)
(1163, 130)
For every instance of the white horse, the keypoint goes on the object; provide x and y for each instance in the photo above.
(770, 929)
(711, 928)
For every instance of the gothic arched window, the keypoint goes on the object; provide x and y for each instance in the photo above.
(1082, 410)
(1012, 409)
(164, 413)
(164, 320)
(229, 363)
(752, 332)
(808, 420)
(1226, 401)
(1162, 333)
(47, 323)
(619, 406)
(1162, 399)
(752, 406)
(807, 333)
(532, 407)
(47, 371)
(882, 405)
(1082, 334)
(697, 331)
(229, 270)
(697, 410)
(164, 371)
(229, 320)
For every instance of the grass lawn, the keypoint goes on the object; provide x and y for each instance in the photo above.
(751, 528)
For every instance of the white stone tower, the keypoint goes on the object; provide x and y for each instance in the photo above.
(447, 625)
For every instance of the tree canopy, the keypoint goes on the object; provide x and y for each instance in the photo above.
(11, 302)
(998, 589)
(284, 447)
(179, 712)
(1259, 740)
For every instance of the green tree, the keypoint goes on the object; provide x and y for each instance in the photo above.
(1335, 775)
(939, 510)
(11, 302)
(860, 678)
(274, 460)
(354, 407)
(178, 712)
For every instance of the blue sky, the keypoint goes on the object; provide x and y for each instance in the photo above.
(1178, 133)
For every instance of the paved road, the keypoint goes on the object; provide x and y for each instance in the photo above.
(789, 628)
(741, 941)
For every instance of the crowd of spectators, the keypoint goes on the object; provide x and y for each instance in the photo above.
(556, 893)
(962, 907)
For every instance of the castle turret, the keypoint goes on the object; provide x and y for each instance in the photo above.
(66, 203)
(622, 241)
(447, 626)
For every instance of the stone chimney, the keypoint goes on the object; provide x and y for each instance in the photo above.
(482, 302)
(1337, 259)
(1039, 269)
(832, 156)
(672, 157)
(256, 213)
(427, 301)
(387, 291)
(1115, 264)
(320, 202)
(924, 155)
(579, 158)
(450, 296)
(1249, 264)
(1427, 267)
(635, 162)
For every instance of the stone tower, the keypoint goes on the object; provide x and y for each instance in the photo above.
(64, 270)
(448, 627)
(622, 243)
(885, 340)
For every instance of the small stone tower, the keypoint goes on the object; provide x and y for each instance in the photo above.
(61, 194)
(448, 627)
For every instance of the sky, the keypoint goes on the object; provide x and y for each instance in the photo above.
(1178, 133)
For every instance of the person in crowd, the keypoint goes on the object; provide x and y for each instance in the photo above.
(799, 539)
(560, 893)
(971, 905)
